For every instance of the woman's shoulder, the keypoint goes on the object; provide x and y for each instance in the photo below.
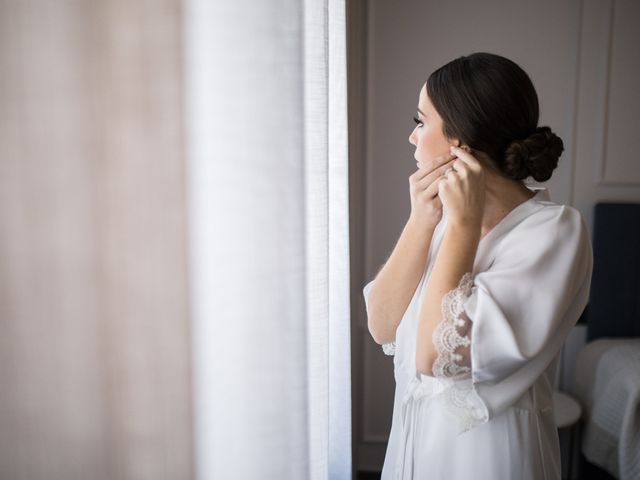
(540, 211)
(548, 225)
(555, 215)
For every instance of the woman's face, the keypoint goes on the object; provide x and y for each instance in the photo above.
(427, 136)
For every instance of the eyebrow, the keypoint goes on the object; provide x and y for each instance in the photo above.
(421, 112)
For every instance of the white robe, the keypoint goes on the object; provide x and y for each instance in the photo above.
(488, 411)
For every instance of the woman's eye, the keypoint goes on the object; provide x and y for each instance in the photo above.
(417, 120)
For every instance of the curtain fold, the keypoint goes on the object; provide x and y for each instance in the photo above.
(268, 215)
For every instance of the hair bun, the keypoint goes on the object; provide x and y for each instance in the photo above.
(536, 156)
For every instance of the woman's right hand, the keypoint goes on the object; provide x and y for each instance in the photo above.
(426, 207)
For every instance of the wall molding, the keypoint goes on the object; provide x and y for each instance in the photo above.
(606, 14)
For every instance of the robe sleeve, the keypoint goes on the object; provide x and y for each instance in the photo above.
(387, 348)
(502, 327)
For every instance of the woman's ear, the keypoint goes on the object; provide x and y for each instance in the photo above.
(457, 143)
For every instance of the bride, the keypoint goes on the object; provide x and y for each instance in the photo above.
(483, 286)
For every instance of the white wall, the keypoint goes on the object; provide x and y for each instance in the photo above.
(582, 58)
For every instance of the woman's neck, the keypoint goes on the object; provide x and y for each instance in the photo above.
(502, 196)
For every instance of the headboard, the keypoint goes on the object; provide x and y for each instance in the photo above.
(614, 300)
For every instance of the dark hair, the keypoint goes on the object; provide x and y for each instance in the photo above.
(489, 103)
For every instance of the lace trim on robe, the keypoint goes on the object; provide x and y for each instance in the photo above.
(452, 338)
(389, 348)
(453, 332)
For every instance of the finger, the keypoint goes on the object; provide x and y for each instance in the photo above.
(448, 180)
(432, 190)
(442, 183)
(466, 157)
(460, 167)
(429, 190)
(443, 188)
(438, 172)
(452, 177)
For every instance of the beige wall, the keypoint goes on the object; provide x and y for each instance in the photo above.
(580, 56)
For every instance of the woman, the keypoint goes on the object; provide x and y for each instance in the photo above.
(483, 286)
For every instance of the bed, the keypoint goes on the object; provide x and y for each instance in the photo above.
(607, 373)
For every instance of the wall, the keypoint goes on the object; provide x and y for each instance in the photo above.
(582, 58)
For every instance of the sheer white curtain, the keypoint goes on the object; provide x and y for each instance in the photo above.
(268, 215)
(94, 329)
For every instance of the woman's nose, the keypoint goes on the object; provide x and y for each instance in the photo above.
(411, 138)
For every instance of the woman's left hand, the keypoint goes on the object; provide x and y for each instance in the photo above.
(462, 190)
